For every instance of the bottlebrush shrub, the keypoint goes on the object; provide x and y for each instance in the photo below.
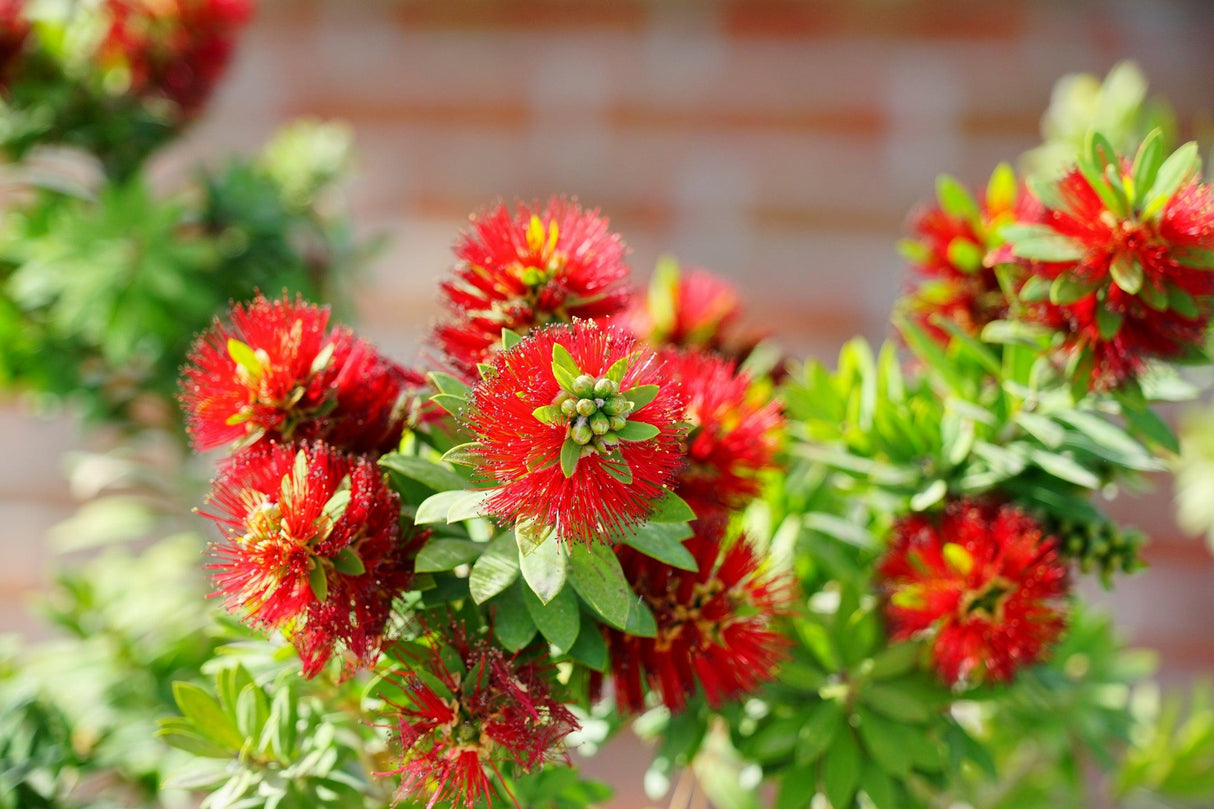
(117, 78)
(840, 583)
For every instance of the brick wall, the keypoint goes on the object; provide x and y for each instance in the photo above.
(779, 143)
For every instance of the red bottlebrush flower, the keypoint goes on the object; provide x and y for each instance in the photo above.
(277, 372)
(685, 307)
(14, 30)
(576, 429)
(948, 255)
(983, 582)
(714, 624)
(455, 727)
(1122, 281)
(312, 547)
(734, 431)
(178, 49)
(528, 269)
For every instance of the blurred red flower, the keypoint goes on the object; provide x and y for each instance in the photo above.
(983, 582)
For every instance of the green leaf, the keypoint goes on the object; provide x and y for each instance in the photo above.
(463, 454)
(637, 431)
(1036, 289)
(426, 472)
(929, 496)
(1181, 302)
(640, 620)
(617, 467)
(1068, 288)
(558, 620)
(1108, 323)
(349, 562)
(246, 358)
(1126, 273)
(879, 787)
(446, 554)
(620, 367)
(495, 570)
(510, 339)
(596, 575)
(1180, 166)
(1147, 163)
(1041, 243)
(180, 733)
(445, 383)
(664, 542)
(932, 354)
(571, 453)
(956, 200)
(824, 720)
(454, 405)
(841, 770)
(512, 624)
(887, 742)
(548, 414)
(452, 506)
(561, 358)
(1145, 423)
(897, 700)
(895, 660)
(590, 648)
(318, 580)
(469, 505)
(544, 567)
(836, 527)
(1049, 193)
(1001, 189)
(671, 508)
(1064, 468)
(641, 395)
(205, 715)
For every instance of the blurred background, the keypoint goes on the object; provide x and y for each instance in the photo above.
(778, 143)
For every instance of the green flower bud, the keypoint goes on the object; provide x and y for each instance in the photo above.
(583, 386)
(569, 407)
(580, 432)
(618, 422)
(585, 407)
(599, 424)
(605, 387)
(600, 444)
(617, 406)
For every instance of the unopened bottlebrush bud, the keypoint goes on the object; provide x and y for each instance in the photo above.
(599, 424)
(586, 407)
(605, 387)
(569, 407)
(581, 432)
(583, 386)
(617, 423)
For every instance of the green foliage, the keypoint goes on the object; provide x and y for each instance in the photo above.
(102, 289)
(1172, 751)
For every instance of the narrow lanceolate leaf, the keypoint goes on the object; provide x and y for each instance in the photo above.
(1127, 273)
(1067, 288)
(571, 452)
(620, 367)
(1048, 192)
(319, 582)
(454, 405)
(637, 431)
(1147, 163)
(1181, 166)
(956, 200)
(641, 395)
(510, 339)
(245, 357)
(618, 468)
(1108, 322)
(548, 414)
(1001, 189)
(430, 474)
(1181, 302)
(1041, 243)
(349, 562)
(204, 713)
(463, 454)
(446, 554)
(561, 357)
(445, 383)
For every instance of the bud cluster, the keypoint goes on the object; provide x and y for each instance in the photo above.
(596, 412)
